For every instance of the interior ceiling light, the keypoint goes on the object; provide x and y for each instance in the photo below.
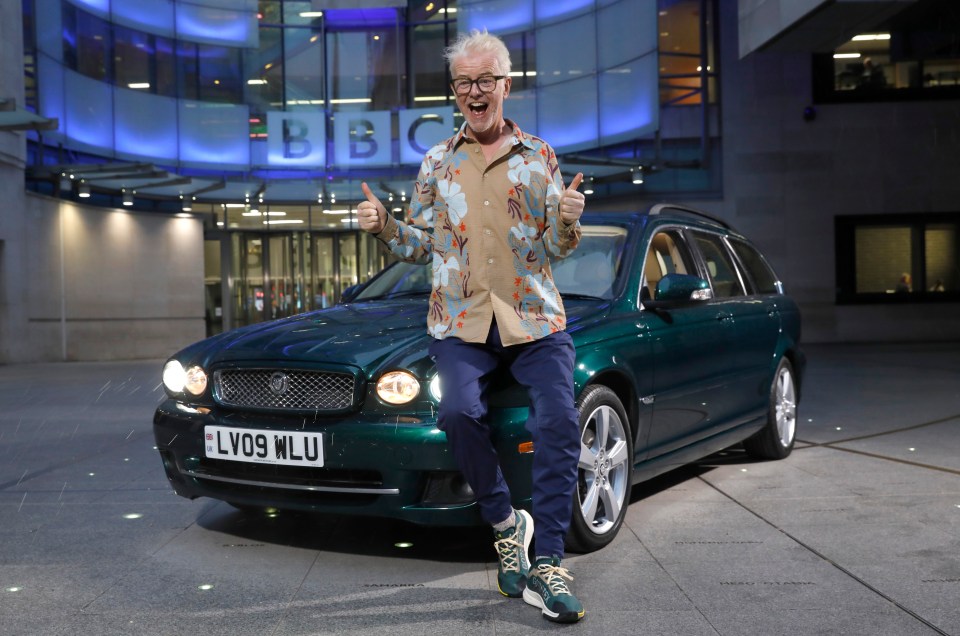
(127, 198)
(83, 191)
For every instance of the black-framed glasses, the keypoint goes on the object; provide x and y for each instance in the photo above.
(486, 84)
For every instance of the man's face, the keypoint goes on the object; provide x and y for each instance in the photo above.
(482, 111)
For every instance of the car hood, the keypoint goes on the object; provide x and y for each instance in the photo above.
(367, 335)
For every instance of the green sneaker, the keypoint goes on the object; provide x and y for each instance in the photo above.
(512, 547)
(547, 589)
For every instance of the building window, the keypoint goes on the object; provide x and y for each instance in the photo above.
(684, 27)
(914, 55)
(898, 258)
(86, 43)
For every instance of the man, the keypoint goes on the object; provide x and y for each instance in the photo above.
(489, 208)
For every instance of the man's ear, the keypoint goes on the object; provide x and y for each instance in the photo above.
(507, 81)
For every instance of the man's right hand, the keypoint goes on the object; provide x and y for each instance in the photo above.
(371, 214)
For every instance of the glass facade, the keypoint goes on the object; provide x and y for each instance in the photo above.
(261, 114)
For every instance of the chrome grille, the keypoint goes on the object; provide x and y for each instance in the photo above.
(284, 389)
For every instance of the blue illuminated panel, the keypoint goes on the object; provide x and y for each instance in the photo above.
(568, 115)
(89, 112)
(99, 8)
(627, 31)
(558, 60)
(217, 26)
(521, 107)
(144, 125)
(628, 108)
(548, 9)
(496, 16)
(217, 134)
(152, 16)
(51, 98)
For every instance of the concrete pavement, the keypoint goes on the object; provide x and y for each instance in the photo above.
(857, 532)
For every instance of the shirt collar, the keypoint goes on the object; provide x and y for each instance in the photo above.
(519, 137)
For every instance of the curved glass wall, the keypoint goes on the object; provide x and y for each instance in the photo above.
(243, 86)
(257, 116)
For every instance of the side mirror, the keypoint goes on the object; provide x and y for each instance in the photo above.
(350, 293)
(682, 289)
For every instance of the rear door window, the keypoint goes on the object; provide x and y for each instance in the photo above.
(721, 270)
(764, 279)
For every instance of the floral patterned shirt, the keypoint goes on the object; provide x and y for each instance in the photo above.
(491, 229)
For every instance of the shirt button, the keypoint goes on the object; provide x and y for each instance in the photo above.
(487, 231)
(486, 202)
(490, 261)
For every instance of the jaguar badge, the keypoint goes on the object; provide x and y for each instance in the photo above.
(279, 383)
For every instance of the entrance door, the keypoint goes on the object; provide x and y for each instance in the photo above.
(349, 270)
(324, 273)
(275, 275)
(249, 278)
(285, 275)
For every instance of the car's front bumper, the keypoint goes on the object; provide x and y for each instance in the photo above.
(396, 466)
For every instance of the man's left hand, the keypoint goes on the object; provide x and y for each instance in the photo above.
(571, 201)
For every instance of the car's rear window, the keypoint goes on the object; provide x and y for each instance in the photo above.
(763, 277)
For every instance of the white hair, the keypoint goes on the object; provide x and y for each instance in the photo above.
(479, 43)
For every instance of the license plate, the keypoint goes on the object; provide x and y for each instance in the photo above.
(290, 448)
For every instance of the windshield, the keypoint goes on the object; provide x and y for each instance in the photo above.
(592, 268)
(589, 271)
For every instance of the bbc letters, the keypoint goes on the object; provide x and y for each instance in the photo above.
(360, 138)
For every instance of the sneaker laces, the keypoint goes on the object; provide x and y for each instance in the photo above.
(554, 576)
(508, 549)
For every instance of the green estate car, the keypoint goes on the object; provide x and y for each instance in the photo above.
(686, 345)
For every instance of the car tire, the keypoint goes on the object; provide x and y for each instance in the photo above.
(775, 440)
(604, 471)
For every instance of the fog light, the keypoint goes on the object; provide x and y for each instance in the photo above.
(447, 489)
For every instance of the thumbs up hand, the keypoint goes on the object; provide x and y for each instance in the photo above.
(371, 214)
(572, 201)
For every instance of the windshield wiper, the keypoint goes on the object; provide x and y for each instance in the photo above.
(581, 296)
(399, 294)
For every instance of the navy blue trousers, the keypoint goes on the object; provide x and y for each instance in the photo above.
(545, 368)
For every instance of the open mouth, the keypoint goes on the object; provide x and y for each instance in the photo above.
(478, 108)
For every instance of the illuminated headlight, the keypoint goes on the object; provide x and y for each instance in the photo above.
(435, 387)
(174, 376)
(196, 381)
(397, 387)
(176, 379)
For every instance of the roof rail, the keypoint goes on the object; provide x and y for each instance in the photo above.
(660, 207)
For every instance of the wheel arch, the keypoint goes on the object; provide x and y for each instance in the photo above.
(798, 361)
(620, 382)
